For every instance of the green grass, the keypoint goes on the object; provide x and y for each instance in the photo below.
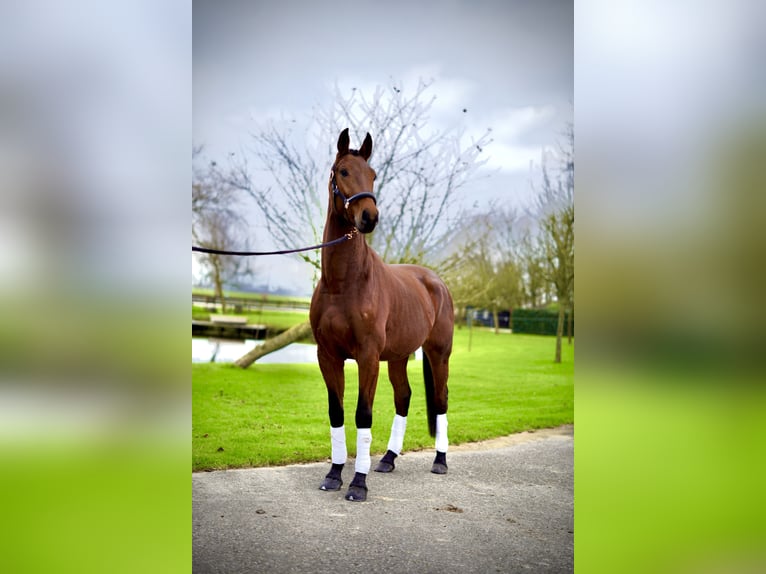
(277, 414)
(276, 320)
(262, 297)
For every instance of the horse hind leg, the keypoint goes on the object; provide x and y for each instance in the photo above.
(436, 373)
(397, 373)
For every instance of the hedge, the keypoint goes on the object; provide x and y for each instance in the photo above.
(537, 321)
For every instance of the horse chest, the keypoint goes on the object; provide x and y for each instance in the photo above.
(348, 329)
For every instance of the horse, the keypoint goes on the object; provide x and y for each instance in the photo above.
(369, 311)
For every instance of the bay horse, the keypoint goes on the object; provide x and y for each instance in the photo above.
(370, 311)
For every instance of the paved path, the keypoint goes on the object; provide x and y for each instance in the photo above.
(505, 506)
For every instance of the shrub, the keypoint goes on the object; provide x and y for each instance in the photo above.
(538, 321)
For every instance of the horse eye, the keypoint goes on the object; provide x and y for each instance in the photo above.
(344, 172)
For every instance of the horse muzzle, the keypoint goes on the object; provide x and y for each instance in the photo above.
(366, 220)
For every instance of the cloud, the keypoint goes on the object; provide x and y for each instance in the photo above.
(516, 137)
(511, 124)
(453, 93)
(506, 157)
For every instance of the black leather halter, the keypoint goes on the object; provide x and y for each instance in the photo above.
(348, 200)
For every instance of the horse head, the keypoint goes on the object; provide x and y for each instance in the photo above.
(351, 184)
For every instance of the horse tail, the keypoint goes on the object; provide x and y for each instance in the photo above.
(428, 376)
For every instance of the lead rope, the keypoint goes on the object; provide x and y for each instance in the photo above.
(337, 241)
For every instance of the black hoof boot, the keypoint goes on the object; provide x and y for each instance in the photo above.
(386, 463)
(440, 463)
(357, 490)
(333, 480)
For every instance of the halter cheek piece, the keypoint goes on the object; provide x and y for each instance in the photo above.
(348, 200)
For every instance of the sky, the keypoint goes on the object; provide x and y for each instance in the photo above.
(508, 63)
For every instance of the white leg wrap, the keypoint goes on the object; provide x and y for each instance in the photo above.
(397, 434)
(338, 439)
(363, 442)
(441, 433)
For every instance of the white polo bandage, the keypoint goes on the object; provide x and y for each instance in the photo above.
(442, 442)
(398, 429)
(363, 443)
(338, 439)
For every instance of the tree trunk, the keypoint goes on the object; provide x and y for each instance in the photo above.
(569, 325)
(496, 319)
(470, 329)
(559, 333)
(218, 282)
(270, 345)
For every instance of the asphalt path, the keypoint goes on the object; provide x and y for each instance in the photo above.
(505, 505)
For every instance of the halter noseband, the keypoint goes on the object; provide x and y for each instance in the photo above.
(348, 200)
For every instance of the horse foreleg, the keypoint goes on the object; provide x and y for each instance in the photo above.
(368, 380)
(332, 372)
(397, 372)
(357, 490)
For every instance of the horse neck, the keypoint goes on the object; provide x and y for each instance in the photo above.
(347, 261)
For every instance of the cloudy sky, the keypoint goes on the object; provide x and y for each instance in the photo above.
(509, 63)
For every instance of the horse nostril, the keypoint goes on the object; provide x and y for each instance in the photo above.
(367, 220)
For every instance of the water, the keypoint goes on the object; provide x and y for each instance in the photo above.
(228, 351)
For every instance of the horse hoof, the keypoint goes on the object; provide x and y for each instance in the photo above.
(440, 463)
(384, 467)
(330, 483)
(357, 490)
(386, 463)
(356, 494)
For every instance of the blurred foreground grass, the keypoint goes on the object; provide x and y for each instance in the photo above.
(94, 418)
(669, 471)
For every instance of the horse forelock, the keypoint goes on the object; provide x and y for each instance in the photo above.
(350, 152)
(353, 152)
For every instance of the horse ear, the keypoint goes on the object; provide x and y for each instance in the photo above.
(366, 150)
(343, 142)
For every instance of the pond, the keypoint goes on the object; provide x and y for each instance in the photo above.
(229, 350)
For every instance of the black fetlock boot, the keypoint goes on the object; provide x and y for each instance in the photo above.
(333, 480)
(357, 490)
(440, 463)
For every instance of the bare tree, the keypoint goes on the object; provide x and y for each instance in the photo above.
(466, 276)
(536, 287)
(419, 171)
(284, 180)
(555, 204)
(215, 225)
(486, 272)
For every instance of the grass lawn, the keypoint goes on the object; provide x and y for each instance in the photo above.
(262, 297)
(277, 414)
(277, 320)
